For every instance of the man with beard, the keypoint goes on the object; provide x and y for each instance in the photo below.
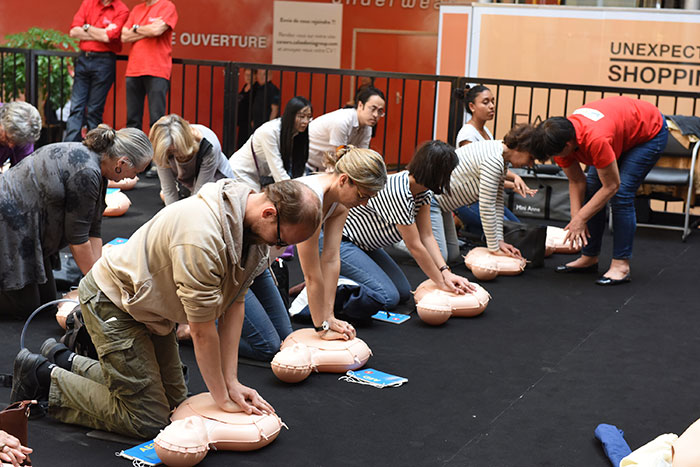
(192, 263)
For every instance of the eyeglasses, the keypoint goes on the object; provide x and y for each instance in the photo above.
(379, 111)
(362, 196)
(280, 243)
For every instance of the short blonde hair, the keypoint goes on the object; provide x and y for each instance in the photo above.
(365, 167)
(172, 131)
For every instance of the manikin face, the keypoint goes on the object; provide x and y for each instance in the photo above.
(369, 113)
(484, 106)
(302, 119)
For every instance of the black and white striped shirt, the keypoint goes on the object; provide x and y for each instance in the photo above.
(374, 226)
(479, 176)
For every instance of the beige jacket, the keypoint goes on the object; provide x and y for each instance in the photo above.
(187, 263)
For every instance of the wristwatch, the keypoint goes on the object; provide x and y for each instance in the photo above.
(135, 27)
(323, 327)
(445, 267)
(86, 27)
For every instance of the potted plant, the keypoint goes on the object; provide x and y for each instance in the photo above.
(53, 73)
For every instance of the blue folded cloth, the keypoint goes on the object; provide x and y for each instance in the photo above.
(614, 443)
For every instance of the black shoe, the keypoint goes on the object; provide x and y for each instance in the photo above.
(563, 268)
(608, 281)
(25, 382)
(50, 348)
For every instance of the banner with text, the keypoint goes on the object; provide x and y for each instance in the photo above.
(307, 33)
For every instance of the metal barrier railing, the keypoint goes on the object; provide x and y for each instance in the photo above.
(208, 92)
(532, 102)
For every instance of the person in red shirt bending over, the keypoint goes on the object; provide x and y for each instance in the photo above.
(98, 25)
(150, 29)
(620, 139)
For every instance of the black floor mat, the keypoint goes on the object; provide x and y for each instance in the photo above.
(525, 384)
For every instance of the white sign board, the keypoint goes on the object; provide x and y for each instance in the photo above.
(307, 34)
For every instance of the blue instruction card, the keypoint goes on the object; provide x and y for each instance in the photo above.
(389, 317)
(375, 378)
(144, 453)
(117, 241)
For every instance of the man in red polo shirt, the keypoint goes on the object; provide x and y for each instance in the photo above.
(98, 25)
(150, 29)
(620, 139)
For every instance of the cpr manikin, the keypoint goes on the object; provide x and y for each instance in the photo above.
(435, 306)
(486, 265)
(303, 351)
(198, 425)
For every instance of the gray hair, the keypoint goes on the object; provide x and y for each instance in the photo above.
(129, 142)
(21, 122)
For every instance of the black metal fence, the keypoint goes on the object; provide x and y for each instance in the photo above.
(418, 107)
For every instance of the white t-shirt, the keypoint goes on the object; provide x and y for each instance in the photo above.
(334, 129)
(470, 133)
(374, 226)
(266, 144)
(313, 182)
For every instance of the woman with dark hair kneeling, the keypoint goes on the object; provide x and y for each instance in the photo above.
(620, 139)
(55, 198)
(401, 211)
(480, 176)
(278, 149)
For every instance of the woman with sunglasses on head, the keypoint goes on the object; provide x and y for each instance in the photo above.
(353, 176)
(278, 149)
(401, 211)
(345, 127)
(480, 177)
(187, 156)
(481, 105)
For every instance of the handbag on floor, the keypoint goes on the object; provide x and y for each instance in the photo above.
(530, 239)
(13, 420)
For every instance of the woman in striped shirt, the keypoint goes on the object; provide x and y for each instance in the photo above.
(480, 176)
(401, 211)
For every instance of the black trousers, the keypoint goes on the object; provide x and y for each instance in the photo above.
(137, 88)
(19, 304)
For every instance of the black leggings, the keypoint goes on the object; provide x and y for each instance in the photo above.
(19, 304)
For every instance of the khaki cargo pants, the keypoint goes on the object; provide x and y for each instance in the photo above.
(135, 384)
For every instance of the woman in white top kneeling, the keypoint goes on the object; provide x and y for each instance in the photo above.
(278, 150)
(353, 177)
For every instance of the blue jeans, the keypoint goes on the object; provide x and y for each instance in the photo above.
(444, 232)
(471, 217)
(94, 76)
(633, 166)
(266, 322)
(375, 270)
